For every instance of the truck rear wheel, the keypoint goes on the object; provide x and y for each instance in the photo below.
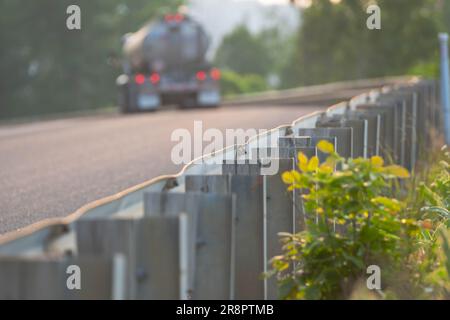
(124, 101)
(124, 94)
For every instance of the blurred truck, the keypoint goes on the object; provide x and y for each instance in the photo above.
(165, 63)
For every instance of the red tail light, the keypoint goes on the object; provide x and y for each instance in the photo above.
(139, 79)
(155, 78)
(178, 17)
(174, 17)
(215, 74)
(201, 75)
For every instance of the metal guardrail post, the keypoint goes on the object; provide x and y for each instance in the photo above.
(43, 278)
(158, 269)
(398, 102)
(248, 232)
(299, 217)
(358, 126)
(343, 138)
(280, 216)
(138, 241)
(210, 224)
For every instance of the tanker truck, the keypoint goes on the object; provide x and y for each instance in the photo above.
(165, 63)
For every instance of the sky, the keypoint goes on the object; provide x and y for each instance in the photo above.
(220, 17)
(301, 3)
(272, 2)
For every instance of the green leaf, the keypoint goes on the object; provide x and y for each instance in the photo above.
(325, 146)
(302, 161)
(285, 288)
(397, 171)
(377, 161)
(389, 203)
(446, 249)
(357, 262)
(290, 177)
(313, 164)
(440, 210)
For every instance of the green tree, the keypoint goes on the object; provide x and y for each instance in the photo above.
(45, 68)
(444, 8)
(243, 53)
(334, 43)
(233, 83)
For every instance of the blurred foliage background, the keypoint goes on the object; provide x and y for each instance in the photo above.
(334, 44)
(45, 68)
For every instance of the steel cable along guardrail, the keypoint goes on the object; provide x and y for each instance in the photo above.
(209, 232)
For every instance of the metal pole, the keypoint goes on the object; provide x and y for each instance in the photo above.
(183, 254)
(119, 277)
(445, 85)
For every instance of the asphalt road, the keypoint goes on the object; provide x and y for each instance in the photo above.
(52, 168)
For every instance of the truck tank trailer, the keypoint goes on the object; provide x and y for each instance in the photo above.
(165, 63)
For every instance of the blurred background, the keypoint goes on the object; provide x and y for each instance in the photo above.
(258, 44)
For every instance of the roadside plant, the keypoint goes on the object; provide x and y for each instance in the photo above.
(437, 280)
(435, 198)
(433, 257)
(351, 222)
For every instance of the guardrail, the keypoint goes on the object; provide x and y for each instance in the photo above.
(322, 92)
(209, 231)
